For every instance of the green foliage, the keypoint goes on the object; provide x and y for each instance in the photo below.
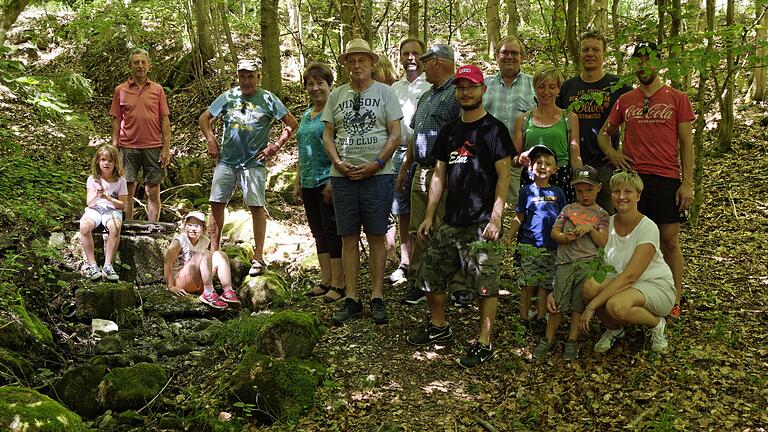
(241, 331)
(598, 269)
(483, 245)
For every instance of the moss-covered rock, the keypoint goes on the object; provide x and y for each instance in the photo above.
(282, 182)
(277, 389)
(161, 302)
(240, 256)
(23, 409)
(131, 387)
(15, 366)
(144, 256)
(22, 329)
(289, 334)
(78, 390)
(268, 288)
(105, 300)
(109, 344)
(238, 226)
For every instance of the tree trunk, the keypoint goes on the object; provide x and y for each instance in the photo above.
(676, 47)
(725, 131)
(571, 21)
(425, 30)
(757, 89)
(367, 21)
(224, 16)
(616, 31)
(203, 23)
(9, 14)
(413, 19)
(698, 137)
(271, 78)
(600, 9)
(513, 18)
(582, 6)
(494, 26)
(297, 34)
(662, 10)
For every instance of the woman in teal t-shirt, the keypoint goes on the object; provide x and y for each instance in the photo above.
(550, 126)
(312, 187)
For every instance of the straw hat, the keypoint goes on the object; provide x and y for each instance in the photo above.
(358, 46)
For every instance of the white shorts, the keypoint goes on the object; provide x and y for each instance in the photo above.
(252, 182)
(659, 295)
(102, 215)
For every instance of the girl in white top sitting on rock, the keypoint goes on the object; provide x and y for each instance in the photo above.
(106, 196)
(195, 265)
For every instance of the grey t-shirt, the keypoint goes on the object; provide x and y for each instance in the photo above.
(362, 133)
(583, 248)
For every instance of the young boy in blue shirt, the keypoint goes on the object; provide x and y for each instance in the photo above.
(538, 205)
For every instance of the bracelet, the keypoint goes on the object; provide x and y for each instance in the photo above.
(381, 162)
(589, 308)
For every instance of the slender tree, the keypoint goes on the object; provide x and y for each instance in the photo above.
(725, 131)
(513, 17)
(9, 13)
(413, 18)
(271, 78)
(494, 26)
(757, 90)
(701, 108)
(203, 24)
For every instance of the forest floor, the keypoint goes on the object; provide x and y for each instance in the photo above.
(714, 377)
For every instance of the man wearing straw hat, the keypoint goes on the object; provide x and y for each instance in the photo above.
(362, 131)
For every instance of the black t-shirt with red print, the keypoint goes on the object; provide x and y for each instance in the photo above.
(471, 151)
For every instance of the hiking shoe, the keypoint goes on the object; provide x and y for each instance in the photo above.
(414, 296)
(229, 296)
(348, 310)
(659, 341)
(379, 311)
(93, 272)
(675, 312)
(212, 299)
(541, 349)
(476, 354)
(608, 340)
(571, 351)
(257, 268)
(461, 298)
(399, 276)
(429, 334)
(109, 273)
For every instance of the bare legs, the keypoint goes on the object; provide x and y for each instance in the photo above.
(86, 239)
(673, 255)
(350, 256)
(152, 191)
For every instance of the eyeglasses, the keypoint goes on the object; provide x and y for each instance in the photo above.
(356, 102)
(468, 88)
(646, 105)
(507, 53)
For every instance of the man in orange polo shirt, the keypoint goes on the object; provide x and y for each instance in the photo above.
(142, 131)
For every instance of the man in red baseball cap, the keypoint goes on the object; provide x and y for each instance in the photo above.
(473, 154)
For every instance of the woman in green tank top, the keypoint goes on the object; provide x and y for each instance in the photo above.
(551, 126)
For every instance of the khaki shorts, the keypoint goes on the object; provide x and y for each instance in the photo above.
(148, 160)
(659, 295)
(449, 251)
(569, 277)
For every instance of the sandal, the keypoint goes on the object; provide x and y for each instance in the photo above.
(319, 290)
(334, 294)
(257, 268)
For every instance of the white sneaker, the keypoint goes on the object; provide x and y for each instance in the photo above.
(608, 339)
(93, 272)
(110, 274)
(659, 341)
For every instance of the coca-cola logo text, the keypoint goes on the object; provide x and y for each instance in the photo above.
(655, 112)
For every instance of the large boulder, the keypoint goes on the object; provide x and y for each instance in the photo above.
(25, 410)
(78, 389)
(268, 288)
(105, 300)
(131, 387)
(277, 389)
(161, 302)
(144, 256)
(289, 334)
(22, 330)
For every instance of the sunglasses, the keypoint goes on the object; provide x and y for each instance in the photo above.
(624, 170)
(356, 102)
(242, 107)
(646, 105)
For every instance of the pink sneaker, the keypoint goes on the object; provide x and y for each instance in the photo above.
(212, 300)
(229, 296)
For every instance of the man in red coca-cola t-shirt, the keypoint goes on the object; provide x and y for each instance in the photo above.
(658, 117)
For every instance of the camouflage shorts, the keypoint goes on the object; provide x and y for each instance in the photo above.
(449, 251)
(537, 268)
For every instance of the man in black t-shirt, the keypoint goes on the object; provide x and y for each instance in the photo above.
(591, 96)
(473, 154)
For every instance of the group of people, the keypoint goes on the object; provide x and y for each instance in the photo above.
(446, 150)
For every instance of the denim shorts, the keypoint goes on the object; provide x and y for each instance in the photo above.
(147, 159)
(102, 215)
(401, 203)
(363, 203)
(252, 182)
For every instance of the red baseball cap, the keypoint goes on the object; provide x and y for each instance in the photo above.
(470, 72)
